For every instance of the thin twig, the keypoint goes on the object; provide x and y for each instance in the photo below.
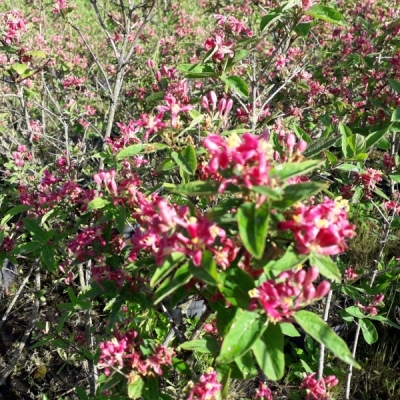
(88, 332)
(21, 345)
(16, 296)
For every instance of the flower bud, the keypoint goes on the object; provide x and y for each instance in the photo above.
(204, 103)
(309, 293)
(228, 107)
(301, 146)
(221, 107)
(312, 275)
(150, 63)
(290, 141)
(323, 289)
(213, 99)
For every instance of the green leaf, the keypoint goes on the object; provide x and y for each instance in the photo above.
(186, 159)
(374, 137)
(237, 85)
(290, 260)
(42, 342)
(268, 351)
(301, 134)
(322, 333)
(383, 144)
(155, 96)
(303, 29)
(197, 188)
(331, 157)
(246, 366)
(235, 287)
(233, 131)
(357, 143)
(14, 211)
(62, 320)
(395, 85)
(325, 13)
(35, 230)
(358, 157)
(368, 330)
(290, 170)
(198, 71)
(207, 271)
(207, 344)
(19, 68)
(130, 151)
(325, 266)
(135, 389)
(319, 145)
(395, 177)
(47, 258)
(239, 55)
(140, 149)
(35, 53)
(166, 268)
(274, 194)
(181, 366)
(246, 328)
(396, 114)
(355, 311)
(298, 192)
(181, 277)
(81, 393)
(268, 19)
(253, 225)
(97, 203)
(151, 390)
(288, 329)
(348, 167)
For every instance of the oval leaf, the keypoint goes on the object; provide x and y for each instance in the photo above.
(322, 333)
(268, 351)
(245, 330)
(325, 13)
(253, 225)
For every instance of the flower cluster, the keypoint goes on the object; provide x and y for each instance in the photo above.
(318, 389)
(350, 274)
(371, 308)
(263, 392)
(207, 388)
(322, 228)
(248, 157)
(282, 297)
(15, 25)
(369, 179)
(123, 351)
(167, 228)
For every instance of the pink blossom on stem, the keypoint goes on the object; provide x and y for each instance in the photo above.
(207, 388)
(263, 392)
(318, 389)
(322, 228)
(292, 290)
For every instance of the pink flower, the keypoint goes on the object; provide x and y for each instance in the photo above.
(281, 298)
(263, 392)
(124, 351)
(174, 107)
(207, 388)
(322, 228)
(317, 390)
(350, 274)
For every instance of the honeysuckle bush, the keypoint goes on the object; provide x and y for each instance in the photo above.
(215, 143)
